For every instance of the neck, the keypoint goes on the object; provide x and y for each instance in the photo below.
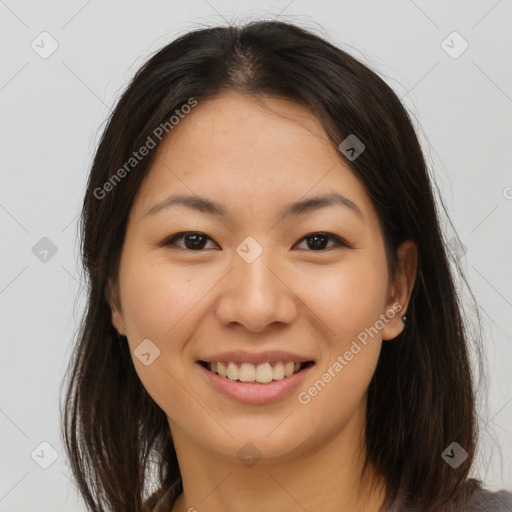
(327, 478)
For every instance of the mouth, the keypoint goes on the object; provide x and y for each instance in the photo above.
(264, 373)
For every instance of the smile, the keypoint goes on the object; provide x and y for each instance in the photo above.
(263, 373)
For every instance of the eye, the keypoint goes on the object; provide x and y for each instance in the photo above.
(193, 240)
(196, 241)
(317, 241)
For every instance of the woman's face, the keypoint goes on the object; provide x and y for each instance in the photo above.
(252, 284)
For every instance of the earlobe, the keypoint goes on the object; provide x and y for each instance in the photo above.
(112, 298)
(401, 289)
(396, 322)
(118, 322)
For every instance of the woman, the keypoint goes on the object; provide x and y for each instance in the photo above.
(272, 321)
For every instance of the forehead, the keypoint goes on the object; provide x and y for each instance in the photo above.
(245, 151)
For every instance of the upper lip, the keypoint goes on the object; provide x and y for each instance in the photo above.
(256, 358)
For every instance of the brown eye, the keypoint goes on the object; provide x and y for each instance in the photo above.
(196, 241)
(192, 240)
(318, 241)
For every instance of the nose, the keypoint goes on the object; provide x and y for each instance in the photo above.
(256, 295)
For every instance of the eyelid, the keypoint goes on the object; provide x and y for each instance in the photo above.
(340, 242)
(170, 240)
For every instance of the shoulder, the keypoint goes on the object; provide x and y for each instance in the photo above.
(471, 497)
(483, 500)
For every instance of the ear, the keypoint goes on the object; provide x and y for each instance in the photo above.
(112, 297)
(401, 288)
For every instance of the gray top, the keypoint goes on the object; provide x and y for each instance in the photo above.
(494, 501)
(483, 500)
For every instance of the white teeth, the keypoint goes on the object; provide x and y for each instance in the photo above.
(262, 373)
(221, 369)
(232, 371)
(247, 373)
(278, 371)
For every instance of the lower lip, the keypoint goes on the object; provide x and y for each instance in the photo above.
(254, 393)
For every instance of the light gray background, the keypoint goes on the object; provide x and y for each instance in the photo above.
(53, 111)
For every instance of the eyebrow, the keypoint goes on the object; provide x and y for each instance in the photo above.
(210, 207)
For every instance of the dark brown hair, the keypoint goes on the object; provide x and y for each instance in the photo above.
(421, 397)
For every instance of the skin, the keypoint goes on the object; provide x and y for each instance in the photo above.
(253, 157)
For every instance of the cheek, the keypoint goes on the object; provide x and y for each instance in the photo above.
(349, 298)
(154, 299)
(349, 303)
(155, 303)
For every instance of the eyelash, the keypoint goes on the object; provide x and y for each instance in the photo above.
(340, 242)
